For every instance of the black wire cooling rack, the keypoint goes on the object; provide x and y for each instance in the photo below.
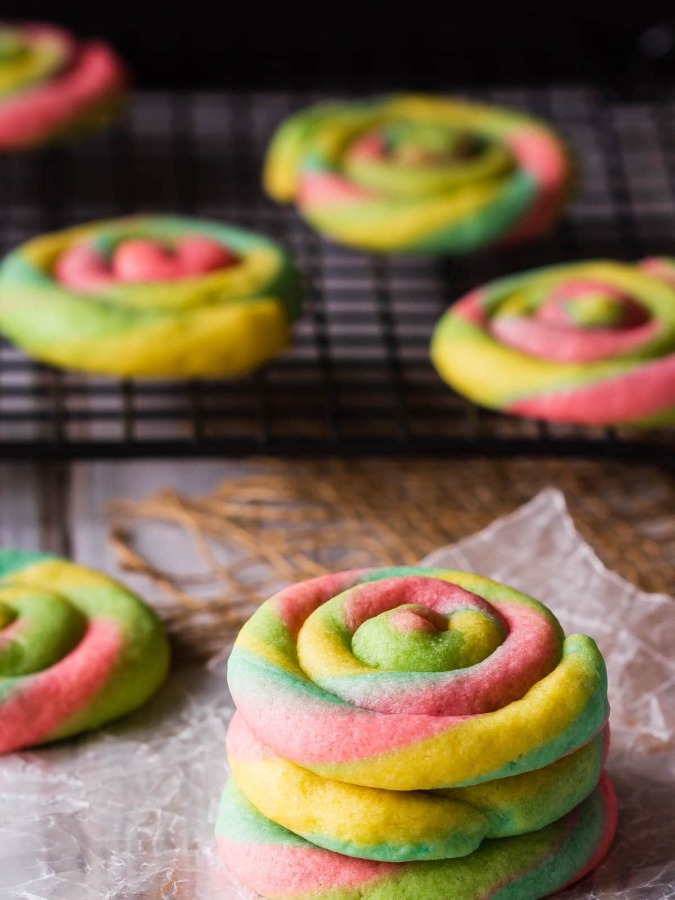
(358, 378)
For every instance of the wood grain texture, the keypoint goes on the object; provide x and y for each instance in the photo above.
(33, 507)
(94, 485)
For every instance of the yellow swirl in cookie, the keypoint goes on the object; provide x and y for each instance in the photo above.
(417, 173)
(150, 296)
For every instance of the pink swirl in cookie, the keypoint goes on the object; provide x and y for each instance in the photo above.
(580, 321)
(416, 173)
(76, 650)
(371, 145)
(359, 695)
(662, 267)
(84, 267)
(648, 388)
(417, 619)
(359, 686)
(538, 154)
(519, 640)
(47, 699)
(590, 343)
(51, 83)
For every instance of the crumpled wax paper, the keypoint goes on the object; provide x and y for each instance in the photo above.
(128, 812)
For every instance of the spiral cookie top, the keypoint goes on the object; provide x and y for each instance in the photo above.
(416, 733)
(51, 83)
(150, 295)
(418, 173)
(327, 675)
(76, 650)
(590, 343)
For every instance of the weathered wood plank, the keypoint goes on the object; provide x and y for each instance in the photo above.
(33, 501)
(95, 484)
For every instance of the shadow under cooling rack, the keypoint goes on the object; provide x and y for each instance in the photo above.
(358, 377)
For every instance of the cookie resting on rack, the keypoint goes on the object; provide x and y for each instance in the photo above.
(419, 173)
(53, 85)
(156, 296)
(414, 732)
(591, 343)
(77, 650)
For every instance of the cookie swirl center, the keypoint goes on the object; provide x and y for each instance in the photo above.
(576, 320)
(412, 158)
(37, 629)
(424, 645)
(592, 305)
(91, 267)
(12, 45)
(414, 638)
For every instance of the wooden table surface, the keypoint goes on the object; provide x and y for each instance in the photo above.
(61, 508)
(625, 511)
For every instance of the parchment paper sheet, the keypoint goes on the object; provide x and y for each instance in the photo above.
(128, 812)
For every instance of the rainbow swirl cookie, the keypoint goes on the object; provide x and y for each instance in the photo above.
(279, 865)
(662, 267)
(399, 731)
(591, 343)
(76, 650)
(52, 84)
(417, 173)
(150, 296)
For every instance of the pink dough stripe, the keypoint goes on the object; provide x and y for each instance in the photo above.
(305, 869)
(242, 743)
(10, 631)
(45, 701)
(471, 308)
(538, 154)
(370, 146)
(561, 343)
(27, 117)
(296, 603)
(319, 188)
(83, 268)
(660, 268)
(529, 653)
(554, 310)
(412, 620)
(579, 287)
(635, 395)
(374, 597)
(286, 731)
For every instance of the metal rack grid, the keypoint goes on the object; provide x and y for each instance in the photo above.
(358, 378)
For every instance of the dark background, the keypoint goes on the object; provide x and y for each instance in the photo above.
(201, 45)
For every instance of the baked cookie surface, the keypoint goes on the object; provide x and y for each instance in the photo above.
(419, 173)
(156, 296)
(403, 730)
(77, 650)
(52, 85)
(590, 343)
